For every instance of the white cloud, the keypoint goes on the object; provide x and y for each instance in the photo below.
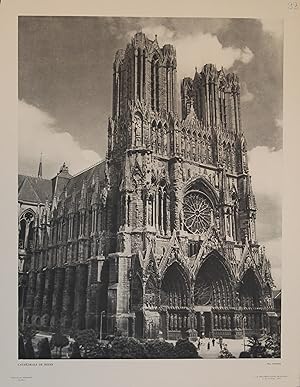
(164, 34)
(200, 49)
(265, 166)
(197, 50)
(279, 123)
(273, 27)
(246, 95)
(38, 133)
(274, 254)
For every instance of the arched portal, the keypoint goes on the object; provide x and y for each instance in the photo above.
(175, 299)
(250, 291)
(213, 297)
(136, 293)
(137, 305)
(251, 301)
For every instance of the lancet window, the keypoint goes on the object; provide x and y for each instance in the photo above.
(162, 210)
(26, 230)
(155, 83)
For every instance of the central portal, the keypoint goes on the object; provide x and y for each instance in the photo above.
(204, 323)
(213, 292)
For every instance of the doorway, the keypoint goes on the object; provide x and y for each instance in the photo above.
(139, 324)
(207, 324)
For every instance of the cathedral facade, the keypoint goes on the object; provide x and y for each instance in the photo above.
(161, 235)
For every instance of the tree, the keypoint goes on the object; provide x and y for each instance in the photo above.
(75, 351)
(260, 348)
(58, 340)
(44, 351)
(255, 347)
(29, 331)
(245, 355)
(29, 351)
(273, 346)
(21, 348)
(184, 349)
(86, 339)
(159, 349)
(266, 347)
(101, 351)
(126, 348)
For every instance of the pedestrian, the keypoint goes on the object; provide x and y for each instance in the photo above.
(213, 341)
(208, 345)
(220, 342)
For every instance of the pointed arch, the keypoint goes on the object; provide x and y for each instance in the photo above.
(173, 254)
(250, 289)
(137, 295)
(26, 228)
(151, 296)
(175, 287)
(203, 185)
(214, 282)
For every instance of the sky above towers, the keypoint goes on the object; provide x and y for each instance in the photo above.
(65, 92)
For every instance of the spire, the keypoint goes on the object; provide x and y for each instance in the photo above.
(251, 202)
(40, 171)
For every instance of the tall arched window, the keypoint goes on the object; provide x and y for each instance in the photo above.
(155, 83)
(139, 75)
(26, 229)
(183, 138)
(169, 86)
(137, 130)
(29, 244)
(165, 140)
(150, 209)
(22, 233)
(153, 137)
(162, 209)
(159, 138)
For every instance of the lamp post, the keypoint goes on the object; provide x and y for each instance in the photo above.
(150, 329)
(243, 327)
(101, 323)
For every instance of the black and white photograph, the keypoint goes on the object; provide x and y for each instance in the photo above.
(149, 198)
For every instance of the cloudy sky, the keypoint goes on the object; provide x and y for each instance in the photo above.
(65, 92)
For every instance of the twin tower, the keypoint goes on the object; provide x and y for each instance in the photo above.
(181, 220)
(159, 236)
(145, 75)
(150, 146)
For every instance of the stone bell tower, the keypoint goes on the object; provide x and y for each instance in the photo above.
(144, 96)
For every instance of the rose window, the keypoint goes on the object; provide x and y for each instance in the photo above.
(197, 211)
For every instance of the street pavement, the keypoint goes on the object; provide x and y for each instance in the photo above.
(235, 346)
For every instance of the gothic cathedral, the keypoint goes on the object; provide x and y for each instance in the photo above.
(161, 235)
